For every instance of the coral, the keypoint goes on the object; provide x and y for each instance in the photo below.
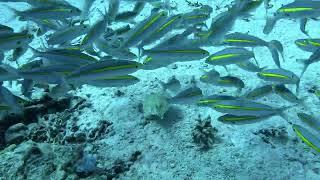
(203, 133)
(273, 135)
(155, 106)
(103, 128)
(121, 166)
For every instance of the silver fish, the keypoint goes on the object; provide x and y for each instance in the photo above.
(67, 34)
(230, 56)
(189, 95)
(310, 45)
(106, 69)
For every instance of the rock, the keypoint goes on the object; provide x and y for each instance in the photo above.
(16, 134)
(86, 165)
(155, 106)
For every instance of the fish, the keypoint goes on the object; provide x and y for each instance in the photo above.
(64, 56)
(14, 40)
(138, 7)
(286, 94)
(210, 77)
(278, 46)
(5, 29)
(158, 57)
(313, 122)
(230, 81)
(178, 40)
(246, 40)
(280, 76)
(18, 52)
(47, 12)
(220, 26)
(128, 16)
(275, 55)
(168, 25)
(103, 68)
(245, 7)
(124, 54)
(259, 92)
(208, 101)
(244, 107)
(9, 99)
(245, 119)
(113, 10)
(27, 87)
(227, 56)
(173, 84)
(67, 34)
(51, 74)
(8, 73)
(243, 40)
(117, 81)
(1, 57)
(95, 31)
(110, 34)
(313, 58)
(195, 17)
(143, 29)
(87, 4)
(147, 1)
(294, 10)
(309, 45)
(307, 137)
(46, 25)
(251, 67)
(189, 95)
(41, 3)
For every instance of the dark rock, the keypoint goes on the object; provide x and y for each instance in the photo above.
(86, 166)
(16, 134)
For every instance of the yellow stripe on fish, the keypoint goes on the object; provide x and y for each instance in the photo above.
(291, 10)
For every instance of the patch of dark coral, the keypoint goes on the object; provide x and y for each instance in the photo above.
(120, 166)
(195, 4)
(103, 127)
(273, 135)
(35, 109)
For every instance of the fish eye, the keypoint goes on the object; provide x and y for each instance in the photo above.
(71, 10)
(19, 42)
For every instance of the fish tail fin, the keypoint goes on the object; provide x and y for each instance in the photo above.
(61, 89)
(278, 46)
(303, 23)
(275, 55)
(263, 68)
(14, 13)
(305, 66)
(255, 60)
(140, 52)
(285, 117)
(282, 113)
(269, 25)
(35, 52)
(298, 87)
